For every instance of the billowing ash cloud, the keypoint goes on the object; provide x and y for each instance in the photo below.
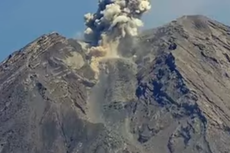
(115, 19)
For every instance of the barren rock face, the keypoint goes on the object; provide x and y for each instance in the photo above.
(169, 94)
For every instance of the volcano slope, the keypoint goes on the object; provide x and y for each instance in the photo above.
(171, 97)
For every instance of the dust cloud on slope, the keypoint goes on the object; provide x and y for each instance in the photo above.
(114, 20)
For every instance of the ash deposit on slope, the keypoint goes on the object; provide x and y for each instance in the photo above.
(114, 20)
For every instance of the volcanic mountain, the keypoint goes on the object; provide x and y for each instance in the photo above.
(169, 93)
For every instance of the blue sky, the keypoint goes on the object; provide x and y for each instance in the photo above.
(21, 21)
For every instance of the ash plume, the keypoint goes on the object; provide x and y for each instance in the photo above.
(114, 20)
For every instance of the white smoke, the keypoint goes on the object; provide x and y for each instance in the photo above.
(113, 20)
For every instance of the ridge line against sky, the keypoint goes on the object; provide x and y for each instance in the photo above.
(25, 20)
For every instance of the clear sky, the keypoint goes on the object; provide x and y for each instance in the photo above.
(21, 21)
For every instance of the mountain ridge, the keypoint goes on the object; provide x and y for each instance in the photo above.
(168, 94)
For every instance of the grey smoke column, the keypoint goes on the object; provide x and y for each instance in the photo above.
(115, 19)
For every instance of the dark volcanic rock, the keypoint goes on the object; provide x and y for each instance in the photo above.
(169, 94)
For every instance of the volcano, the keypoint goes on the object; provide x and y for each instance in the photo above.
(169, 93)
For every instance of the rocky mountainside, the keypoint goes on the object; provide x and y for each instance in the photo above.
(169, 94)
